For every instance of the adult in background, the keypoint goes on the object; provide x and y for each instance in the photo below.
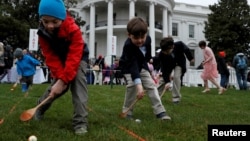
(97, 69)
(25, 52)
(240, 64)
(210, 72)
(117, 72)
(223, 69)
(106, 73)
(2, 64)
(8, 60)
(89, 73)
(62, 45)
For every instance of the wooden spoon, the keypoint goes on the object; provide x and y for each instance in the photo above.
(124, 114)
(28, 114)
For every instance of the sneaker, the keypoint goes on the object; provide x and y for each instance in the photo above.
(163, 116)
(176, 100)
(206, 90)
(38, 115)
(81, 131)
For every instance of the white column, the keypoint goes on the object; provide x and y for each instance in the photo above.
(131, 8)
(199, 31)
(184, 30)
(92, 31)
(165, 22)
(109, 29)
(152, 26)
(170, 24)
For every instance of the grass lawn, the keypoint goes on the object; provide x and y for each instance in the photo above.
(190, 118)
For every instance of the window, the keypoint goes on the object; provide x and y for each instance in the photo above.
(174, 29)
(191, 31)
(95, 50)
(192, 52)
(147, 20)
(96, 24)
(114, 18)
(96, 18)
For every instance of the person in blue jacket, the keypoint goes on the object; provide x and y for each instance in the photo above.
(26, 68)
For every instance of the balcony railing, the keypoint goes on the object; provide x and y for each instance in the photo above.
(119, 22)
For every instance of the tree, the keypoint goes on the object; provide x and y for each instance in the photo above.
(72, 4)
(228, 27)
(17, 17)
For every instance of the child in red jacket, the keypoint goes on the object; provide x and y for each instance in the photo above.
(62, 45)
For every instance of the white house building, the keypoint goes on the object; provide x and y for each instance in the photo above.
(106, 20)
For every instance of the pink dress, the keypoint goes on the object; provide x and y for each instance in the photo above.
(210, 67)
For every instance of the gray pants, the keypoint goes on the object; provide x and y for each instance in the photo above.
(78, 88)
(151, 91)
(176, 95)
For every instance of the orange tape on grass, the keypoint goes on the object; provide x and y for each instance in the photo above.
(131, 133)
(13, 107)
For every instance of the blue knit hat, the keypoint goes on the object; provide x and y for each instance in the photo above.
(54, 8)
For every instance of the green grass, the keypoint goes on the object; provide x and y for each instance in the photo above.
(189, 121)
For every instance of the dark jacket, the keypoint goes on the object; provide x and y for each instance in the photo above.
(8, 57)
(181, 52)
(100, 62)
(248, 76)
(168, 63)
(85, 56)
(222, 66)
(132, 60)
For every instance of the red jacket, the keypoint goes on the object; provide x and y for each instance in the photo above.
(64, 69)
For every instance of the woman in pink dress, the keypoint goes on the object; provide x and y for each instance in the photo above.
(210, 72)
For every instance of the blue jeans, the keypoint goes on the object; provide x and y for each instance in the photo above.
(242, 78)
(24, 87)
(224, 80)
